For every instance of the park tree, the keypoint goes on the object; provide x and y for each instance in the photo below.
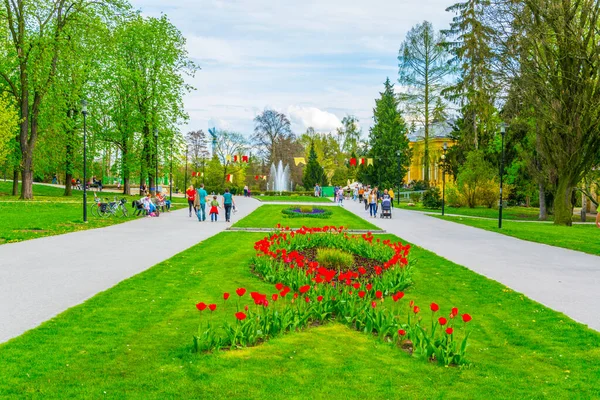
(313, 173)
(9, 120)
(388, 141)
(269, 127)
(349, 134)
(197, 146)
(230, 144)
(469, 40)
(152, 62)
(559, 68)
(423, 69)
(36, 35)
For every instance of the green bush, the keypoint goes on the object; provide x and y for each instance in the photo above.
(334, 258)
(420, 185)
(432, 198)
(306, 209)
(415, 197)
(300, 188)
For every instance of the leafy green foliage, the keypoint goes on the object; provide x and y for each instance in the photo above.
(388, 141)
(432, 198)
(313, 173)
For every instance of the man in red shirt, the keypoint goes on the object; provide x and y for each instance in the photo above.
(191, 196)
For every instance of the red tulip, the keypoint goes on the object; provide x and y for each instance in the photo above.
(201, 306)
(411, 304)
(434, 307)
(449, 331)
(212, 307)
(369, 286)
(279, 286)
(466, 318)
(455, 311)
(373, 304)
(304, 289)
(356, 285)
(362, 271)
(320, 298)
(401, 332)
(295, 295)
(225, 296)
(307, 299)
(416, 309)
(240, 316)
(442, 321)
(378, 294)
(240, 292)
(399, 295)
(283, 293)
(361, 294)
(274, 297)
(246, 307)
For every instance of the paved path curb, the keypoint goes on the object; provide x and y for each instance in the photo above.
(562, 279)
(41, 278)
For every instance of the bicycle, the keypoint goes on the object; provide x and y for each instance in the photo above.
(98, 208)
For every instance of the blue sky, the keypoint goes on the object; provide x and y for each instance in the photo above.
(314, 60)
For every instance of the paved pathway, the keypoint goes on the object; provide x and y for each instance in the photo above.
(40, 278)
(565, 280)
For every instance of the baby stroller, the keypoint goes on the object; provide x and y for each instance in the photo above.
(386, 208)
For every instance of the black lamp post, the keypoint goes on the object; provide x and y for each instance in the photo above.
(186, 162)
(156, 176)
(503, 133)
(84, 112)
(399, 178)
(444, 148)
(171, 175)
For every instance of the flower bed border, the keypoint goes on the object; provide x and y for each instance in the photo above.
(291, 213)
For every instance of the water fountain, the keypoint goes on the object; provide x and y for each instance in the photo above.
(279, 179)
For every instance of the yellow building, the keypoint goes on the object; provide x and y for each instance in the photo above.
(438, 135)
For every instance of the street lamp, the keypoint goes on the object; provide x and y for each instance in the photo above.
(84, 112)
(186, 162)
(444, 148)
(398, 153)
(156, 176)
(503, 133)
(171, 177)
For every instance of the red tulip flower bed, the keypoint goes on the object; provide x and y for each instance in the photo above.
(370, 301)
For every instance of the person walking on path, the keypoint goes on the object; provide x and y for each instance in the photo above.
(191, 196)
(391, 193)
(214, 209)
(373, 203)
(202, 195)
(246, 191)
(227, 204)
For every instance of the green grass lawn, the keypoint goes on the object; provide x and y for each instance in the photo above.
(135, 341)
(578, 237)
(510, 213)
(299, 199)
(268, 216)
(50, 213)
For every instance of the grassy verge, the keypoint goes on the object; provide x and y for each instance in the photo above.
(508, 213)
(268, 216)
(577, 237)
(299, 199)
(134, 341)
(50, 213)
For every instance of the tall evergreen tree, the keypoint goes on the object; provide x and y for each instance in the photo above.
(388, 141)
(469, 42)
(313, 173)
(423, 68)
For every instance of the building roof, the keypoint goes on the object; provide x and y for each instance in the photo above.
(439, 130)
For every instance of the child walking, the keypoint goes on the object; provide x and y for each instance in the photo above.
(214, 209)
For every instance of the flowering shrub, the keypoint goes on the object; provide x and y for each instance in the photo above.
(366, 299)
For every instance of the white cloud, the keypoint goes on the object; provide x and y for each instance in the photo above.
(321, 121)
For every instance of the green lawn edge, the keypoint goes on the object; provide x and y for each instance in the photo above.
(579, 237)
